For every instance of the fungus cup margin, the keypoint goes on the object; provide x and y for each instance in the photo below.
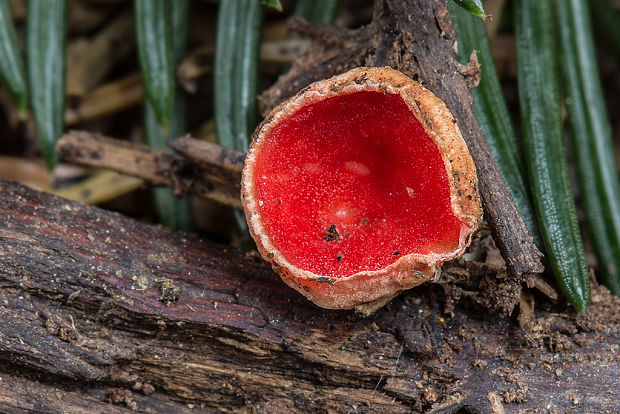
(409, 270)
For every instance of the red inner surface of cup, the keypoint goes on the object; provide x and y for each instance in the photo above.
(353, 183)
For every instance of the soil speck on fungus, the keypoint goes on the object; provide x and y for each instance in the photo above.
(331, 234)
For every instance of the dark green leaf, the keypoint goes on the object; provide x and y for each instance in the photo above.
(46, 32)
(237, 49)
(539, 98)
(174, 212)
(11, 67)
(472, 6)
(593, 150)
(236, 72)
(154, 36)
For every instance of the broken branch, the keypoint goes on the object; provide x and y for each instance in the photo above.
(211, 171)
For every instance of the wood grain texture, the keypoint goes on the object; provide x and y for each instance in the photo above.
(91, 301)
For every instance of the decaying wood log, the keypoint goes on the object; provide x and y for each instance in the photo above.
(101, 312)
(418, 39)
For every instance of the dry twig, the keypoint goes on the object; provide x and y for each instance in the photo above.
(212, 171)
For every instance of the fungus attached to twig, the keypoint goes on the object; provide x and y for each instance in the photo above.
(360, 186)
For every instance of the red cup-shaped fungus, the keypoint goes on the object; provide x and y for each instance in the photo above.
(360, 186)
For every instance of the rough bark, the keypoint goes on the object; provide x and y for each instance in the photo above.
(101, 312)
(417, 38)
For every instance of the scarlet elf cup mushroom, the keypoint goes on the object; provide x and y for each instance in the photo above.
(360, 186)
